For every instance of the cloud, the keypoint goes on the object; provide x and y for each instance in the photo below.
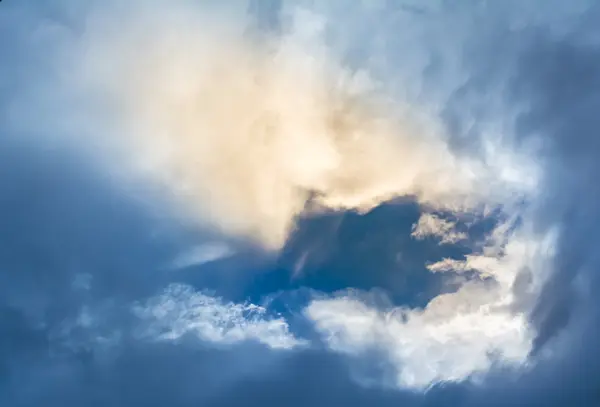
(458, 335)
(246, 134)
(424, 350)
(180, 311)
(203, 254)
(431, 225)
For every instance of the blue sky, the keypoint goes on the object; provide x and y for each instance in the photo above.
(348, 203)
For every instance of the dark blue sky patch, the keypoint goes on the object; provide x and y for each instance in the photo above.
(337, 251)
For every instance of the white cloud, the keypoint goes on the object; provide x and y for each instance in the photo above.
(180, 310)
(423, 349)
(457, 335)
(432, 225)
(447, 264)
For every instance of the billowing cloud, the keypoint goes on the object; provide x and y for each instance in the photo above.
(246, 133)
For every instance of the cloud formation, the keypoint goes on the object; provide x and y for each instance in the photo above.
(246, 133)
(457, 335)
(432, 225)
(181, 311)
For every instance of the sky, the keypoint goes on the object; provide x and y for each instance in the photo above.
(299, 203)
